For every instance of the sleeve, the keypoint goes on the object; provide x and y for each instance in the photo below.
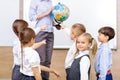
(16, 47)
(67, 31)
(103, 64)
(33, 10)
(34, 60)
(69, 56)
(84, 68)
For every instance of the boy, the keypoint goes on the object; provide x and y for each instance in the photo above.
(103, 60)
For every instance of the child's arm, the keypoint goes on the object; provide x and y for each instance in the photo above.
(65, 29)
(44, 68)
(38, 44)
(84, 68)
(36, 73)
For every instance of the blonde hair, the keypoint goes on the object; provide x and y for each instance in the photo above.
(93, 48)
(78, 29)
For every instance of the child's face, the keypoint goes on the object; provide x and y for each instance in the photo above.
(72, 36)
(83, 43)
(102, 38)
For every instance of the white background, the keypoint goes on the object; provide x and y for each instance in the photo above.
(92, 13)
(9, 11)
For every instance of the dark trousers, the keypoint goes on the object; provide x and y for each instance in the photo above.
(45, 51)
(108, 77)
(67, 73)
(16, 72)
(25, 77)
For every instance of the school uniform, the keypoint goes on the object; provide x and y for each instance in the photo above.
(103, 62)
(80, 68)
(30, 59)
(17, 55)
(69, 59)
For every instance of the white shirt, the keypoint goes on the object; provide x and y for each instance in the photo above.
(17, 51)
(84, 64)
(70, 56)
(30, 59)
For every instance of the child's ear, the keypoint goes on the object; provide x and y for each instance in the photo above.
(32, 39)
(90, 45)
(107, 38)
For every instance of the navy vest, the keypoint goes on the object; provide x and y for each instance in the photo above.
(75, 69)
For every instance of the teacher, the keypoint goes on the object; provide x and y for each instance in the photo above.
(40, 11)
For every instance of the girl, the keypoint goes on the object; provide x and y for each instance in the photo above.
(80, 68)
(76, 30)
(17, 26)
(30, 60)
(30, 68)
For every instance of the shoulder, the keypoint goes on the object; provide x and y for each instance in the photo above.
(85, 59)
(16, 44)
(30, 51)
(73, 47)
(106, 48)
(16, 41)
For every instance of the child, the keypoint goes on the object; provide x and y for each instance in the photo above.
(80, 68)
(17, 26)
(103, 60)
(76, 30)
(30, 66)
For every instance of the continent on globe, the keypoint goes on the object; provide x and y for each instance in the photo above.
(60, 13)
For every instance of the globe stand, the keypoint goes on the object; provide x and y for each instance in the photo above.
(58, 26)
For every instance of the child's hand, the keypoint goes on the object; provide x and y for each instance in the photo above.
(43, 28)
(56, 73)
(38, 44)
(62, 26)
(43, 42)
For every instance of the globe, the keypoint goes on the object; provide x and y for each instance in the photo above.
(60, 12)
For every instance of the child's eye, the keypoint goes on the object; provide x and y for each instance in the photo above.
(82, 42)
(77, 42)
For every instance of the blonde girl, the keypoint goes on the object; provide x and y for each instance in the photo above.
(80, 68)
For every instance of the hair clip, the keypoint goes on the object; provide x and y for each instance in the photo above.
(92, 39)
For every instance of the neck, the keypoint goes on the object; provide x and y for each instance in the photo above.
(27, 45)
